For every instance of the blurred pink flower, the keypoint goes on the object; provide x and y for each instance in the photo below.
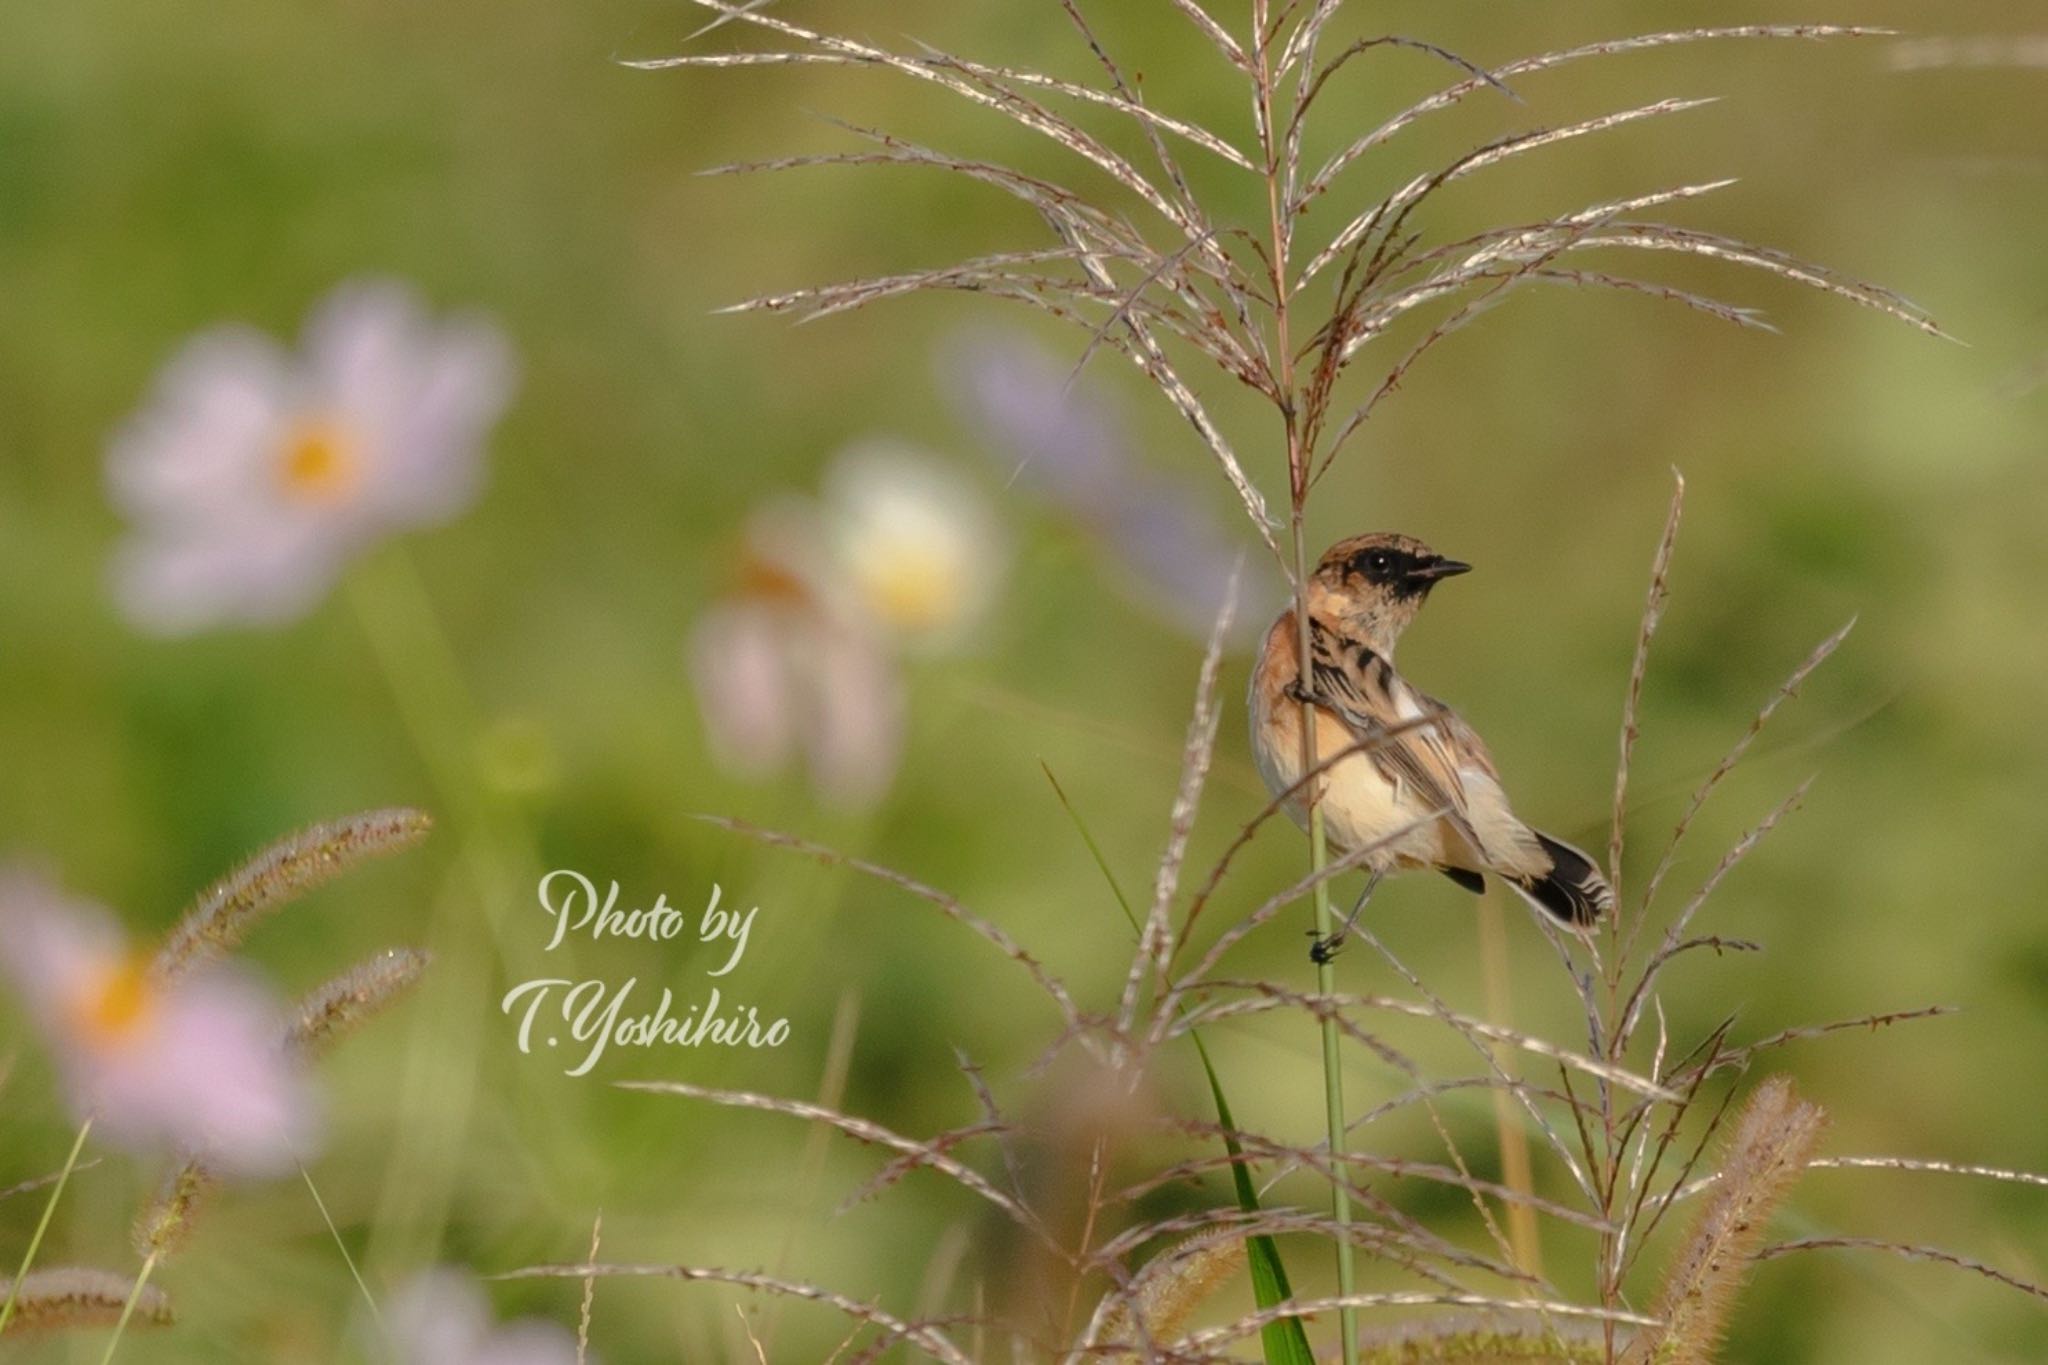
(253, 475)
(441, 1317)
(1068, 442)
(779, 672)
(194, 1064)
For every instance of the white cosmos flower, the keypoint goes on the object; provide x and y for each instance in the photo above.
(193, 1065)
(913, 543)
(253, 475)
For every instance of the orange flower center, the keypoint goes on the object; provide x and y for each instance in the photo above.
(116, 1006)
(763, 580)
(320, 463)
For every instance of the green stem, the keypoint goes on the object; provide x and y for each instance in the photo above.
(43, 1225)
(1326, 974)
(128, 1309)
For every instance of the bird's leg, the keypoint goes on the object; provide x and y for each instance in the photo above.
(1323, 949)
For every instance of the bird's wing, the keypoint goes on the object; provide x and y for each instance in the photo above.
(1362, 689)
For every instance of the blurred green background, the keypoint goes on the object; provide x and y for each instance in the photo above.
(165, 167)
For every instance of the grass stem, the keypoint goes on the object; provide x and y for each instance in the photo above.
(35, 1242)
(347, 1260)
(128, 1308)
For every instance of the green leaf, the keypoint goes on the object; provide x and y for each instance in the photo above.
(1285, 1342)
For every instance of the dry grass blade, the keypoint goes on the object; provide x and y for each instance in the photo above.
(1485, 253)
(1654, 602)
(1318, 1158)
(860, 1129)
(65, 1297)
(1910, 1252)
(1155, 943)
(1271, 996)
(1011, 76)
(1371, 744)
(924, 1336)
(941, 1144)
(1674, 940)
(1663, 237)
(1786, 691)
(822, 300)
(288, 869)
(1544, 61)
(1734, 314)
(1902, 1163)
(1213, 31)
(1163, 1014)
(946, 73)
(1421, 187)
(946, 905)
(43, 1182)
(1153, 362)
(1741, 1056)
(1467, 313)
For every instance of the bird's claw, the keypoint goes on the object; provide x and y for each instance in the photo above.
(1298, 692)
(1324, 950)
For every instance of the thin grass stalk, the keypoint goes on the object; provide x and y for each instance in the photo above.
(128, 1309)
(35, 1241)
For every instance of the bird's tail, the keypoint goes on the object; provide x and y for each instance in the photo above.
(1573, 890)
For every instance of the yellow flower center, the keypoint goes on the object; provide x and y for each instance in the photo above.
(115, 1007)
(320, 463)
(912, 587)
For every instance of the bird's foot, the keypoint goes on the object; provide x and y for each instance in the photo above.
(1324, 949)
(1298, 692)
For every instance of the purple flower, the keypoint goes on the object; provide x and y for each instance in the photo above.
(1070, 445)
(252, 476)
(194, 1064)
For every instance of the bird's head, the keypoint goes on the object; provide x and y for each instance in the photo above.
(1374, 584)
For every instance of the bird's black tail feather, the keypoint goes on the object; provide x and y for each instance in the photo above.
(1573, 890)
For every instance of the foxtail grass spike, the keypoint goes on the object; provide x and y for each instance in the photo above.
(65, 1297)
(224, 914)
(339, 1007)
(1773, 1141)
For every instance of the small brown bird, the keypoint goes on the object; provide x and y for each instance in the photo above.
(1423, 786)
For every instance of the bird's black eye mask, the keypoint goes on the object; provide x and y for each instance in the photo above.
(1394, 568)
(1403, 572)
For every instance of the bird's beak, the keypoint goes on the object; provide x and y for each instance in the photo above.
(1441, 568)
